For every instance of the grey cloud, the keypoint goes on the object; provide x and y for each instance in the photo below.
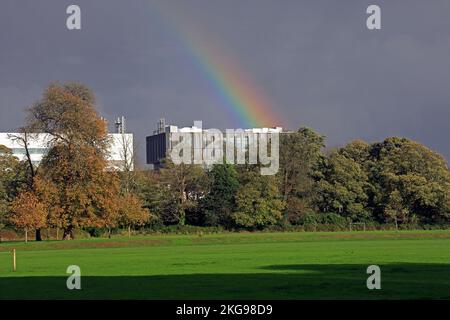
(315, 59)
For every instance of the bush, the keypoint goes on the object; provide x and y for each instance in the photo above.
(95, 232)
(330, 219)
(183, 229)
(334, 219)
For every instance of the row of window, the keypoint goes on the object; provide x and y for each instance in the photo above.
(31, 150)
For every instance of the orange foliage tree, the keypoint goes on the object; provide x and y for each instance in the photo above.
(83, 192)
(132, 213)
(28, 212)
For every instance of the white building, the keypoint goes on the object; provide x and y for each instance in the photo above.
(159, 144)
(120, 155)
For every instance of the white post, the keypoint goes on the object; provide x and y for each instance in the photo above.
(14, 259)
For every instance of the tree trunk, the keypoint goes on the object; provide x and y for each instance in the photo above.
(38, 235)
(109, 233)
(182, 217)
(26, 235)
(129, 232)
(285, 186)
(68, 234)
(396, 223)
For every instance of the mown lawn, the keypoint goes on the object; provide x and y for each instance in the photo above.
(414, 264)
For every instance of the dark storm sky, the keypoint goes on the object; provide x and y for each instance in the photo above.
(316, 60)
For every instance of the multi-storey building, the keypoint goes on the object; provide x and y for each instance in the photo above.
(120, 152)
(160, 143)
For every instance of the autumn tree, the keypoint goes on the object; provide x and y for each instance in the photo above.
(132, 213)
(28, 212)
(23, 138)
(75, 165)
(106, 203)
(47, 193)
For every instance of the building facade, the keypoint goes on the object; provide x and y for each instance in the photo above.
(160, 143)
(120, 153)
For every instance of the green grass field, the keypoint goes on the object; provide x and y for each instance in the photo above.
(414, 265)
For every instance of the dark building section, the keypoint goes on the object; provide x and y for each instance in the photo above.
(156, 148)
(159, 144)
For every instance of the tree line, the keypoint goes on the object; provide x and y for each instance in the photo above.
(396, 181)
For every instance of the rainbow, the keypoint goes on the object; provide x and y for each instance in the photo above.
(243, 101)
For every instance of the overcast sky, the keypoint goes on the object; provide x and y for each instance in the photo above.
(316, 61)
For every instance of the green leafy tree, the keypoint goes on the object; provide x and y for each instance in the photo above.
(300, 157)
(395, 209)
(12, 181)
(407, 173)
(177, 191)
(220, 202)
(344, 187)
(258, 200)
